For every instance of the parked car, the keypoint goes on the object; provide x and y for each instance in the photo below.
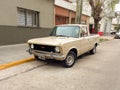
(112, 32)
(65, 43)
(117, 35)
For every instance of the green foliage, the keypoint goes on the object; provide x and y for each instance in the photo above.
(113, 3)
(103, 40)
(97, 9)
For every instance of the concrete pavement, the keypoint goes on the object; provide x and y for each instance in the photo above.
(11, 55)
(90, 72)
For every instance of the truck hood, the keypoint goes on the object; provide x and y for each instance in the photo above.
(52, 40)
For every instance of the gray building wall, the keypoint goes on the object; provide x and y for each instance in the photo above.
(15, 35)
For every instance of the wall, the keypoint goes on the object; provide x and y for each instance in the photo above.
(8, 11)
(11, 33)
(65, 16)
(72, 6)
(15, 35)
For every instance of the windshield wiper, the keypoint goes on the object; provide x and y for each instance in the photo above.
(61, 36)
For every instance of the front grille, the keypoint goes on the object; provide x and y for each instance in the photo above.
(44, 48)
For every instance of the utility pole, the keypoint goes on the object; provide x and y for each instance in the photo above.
(79, 4)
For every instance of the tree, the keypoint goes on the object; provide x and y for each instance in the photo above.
(96, 6)
(97, 9)
(107, 15)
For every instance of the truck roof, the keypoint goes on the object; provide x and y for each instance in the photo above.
(72, 25)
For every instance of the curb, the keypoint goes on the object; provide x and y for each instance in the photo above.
(11, 64)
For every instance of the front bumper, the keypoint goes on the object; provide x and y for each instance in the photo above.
(46, 55)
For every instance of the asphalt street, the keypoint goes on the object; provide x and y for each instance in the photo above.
(90, 72)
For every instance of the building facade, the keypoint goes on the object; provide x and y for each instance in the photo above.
(65, 12)
(21, 20)
(34, 13)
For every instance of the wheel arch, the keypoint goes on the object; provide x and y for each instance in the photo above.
(96, 44)
(74, 50)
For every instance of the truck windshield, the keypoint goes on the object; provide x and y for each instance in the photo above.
(66, 31)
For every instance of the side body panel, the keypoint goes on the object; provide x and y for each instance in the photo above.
(82, 45)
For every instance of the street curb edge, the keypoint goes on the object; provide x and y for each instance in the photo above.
(11, 64)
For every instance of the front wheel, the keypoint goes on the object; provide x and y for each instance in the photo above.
(36, 57)
(70, 59)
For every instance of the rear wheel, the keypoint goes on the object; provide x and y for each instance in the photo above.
(70, 59)
(93, 51)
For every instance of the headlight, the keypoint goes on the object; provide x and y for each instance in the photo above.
(57, 49)
(32, 46)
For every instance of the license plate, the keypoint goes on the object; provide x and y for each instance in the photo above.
(41, 56)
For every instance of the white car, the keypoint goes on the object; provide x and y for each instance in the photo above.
(117, 35)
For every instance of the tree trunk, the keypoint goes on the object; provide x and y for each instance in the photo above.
(78, 11)
(96, 23)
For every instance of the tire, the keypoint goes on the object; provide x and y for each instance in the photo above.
(93, 51)
(36, 57)
(70, 60)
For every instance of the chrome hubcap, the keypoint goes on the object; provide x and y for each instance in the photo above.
(70, 60)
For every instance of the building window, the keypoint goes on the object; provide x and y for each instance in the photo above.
(72, 20)
(61, 20)
(83, 22)
(28, 18)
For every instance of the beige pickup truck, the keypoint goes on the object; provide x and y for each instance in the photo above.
(65, 43)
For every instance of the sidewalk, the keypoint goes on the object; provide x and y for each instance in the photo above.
(12, 53)
(110, 37)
